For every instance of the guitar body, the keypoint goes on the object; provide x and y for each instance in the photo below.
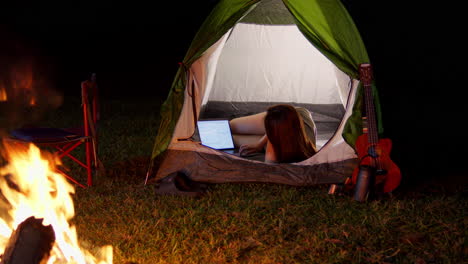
(391, 175)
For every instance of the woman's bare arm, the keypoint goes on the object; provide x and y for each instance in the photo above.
(249, 125)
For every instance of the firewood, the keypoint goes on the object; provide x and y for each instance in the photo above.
(30, 243)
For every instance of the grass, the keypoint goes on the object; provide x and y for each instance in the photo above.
(249, 223)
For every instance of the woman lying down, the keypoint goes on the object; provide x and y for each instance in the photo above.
(287, 134)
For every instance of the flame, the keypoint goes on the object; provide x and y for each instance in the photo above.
(43, 193)
(3, 94)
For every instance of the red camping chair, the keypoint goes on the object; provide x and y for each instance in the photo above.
(65, 140)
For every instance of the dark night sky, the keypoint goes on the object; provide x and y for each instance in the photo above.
(138, 44)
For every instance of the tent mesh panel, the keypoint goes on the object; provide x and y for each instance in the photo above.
(269, 12)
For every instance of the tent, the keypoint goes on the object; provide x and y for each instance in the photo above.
(249, 54)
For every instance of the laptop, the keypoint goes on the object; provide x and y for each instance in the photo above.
(216, 134)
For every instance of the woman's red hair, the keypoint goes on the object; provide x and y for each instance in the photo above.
(285, 131)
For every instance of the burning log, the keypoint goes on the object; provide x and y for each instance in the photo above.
(30, 243)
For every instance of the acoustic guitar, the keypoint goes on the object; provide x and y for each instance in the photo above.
(371, 150)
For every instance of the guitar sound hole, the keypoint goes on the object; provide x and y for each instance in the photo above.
(381, 172)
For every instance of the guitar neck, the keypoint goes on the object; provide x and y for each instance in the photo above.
(370, 115)
(365, 72)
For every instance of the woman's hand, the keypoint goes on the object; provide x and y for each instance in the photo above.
(249, 149)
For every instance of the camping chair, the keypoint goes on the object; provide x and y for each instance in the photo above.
(65, 140)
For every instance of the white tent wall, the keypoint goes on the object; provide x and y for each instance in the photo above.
(275, 63)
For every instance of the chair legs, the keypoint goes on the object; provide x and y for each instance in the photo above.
(65, 150)
(89, 153)
(70, 178)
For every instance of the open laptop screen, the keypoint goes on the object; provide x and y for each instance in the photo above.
(215, 134)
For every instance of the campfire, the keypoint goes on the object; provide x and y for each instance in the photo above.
(35, 209)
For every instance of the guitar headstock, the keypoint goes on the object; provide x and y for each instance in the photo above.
(365, 73)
